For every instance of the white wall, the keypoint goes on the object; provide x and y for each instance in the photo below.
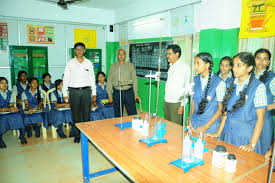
(50, 11)
(58, 55)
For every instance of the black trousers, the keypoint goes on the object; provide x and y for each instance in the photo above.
(127, 99)
(80, 103)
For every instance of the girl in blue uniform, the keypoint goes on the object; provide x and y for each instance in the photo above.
(33, 101)
(12, 120)
(225, 71)
(106, 111)
(244, 104)
(46, 86)
(209, 91)
(64, 116)
(21, 86)
(262, 62)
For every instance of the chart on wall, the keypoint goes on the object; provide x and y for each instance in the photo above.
(39, 34)
(4, 44)
(145, 57)
(86, 36)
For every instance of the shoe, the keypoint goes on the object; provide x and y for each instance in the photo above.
(2, 144)
(29, 133)
(76, 140)
(23, 141)
(62, 135)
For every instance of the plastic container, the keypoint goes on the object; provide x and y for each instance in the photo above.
(219, 156)
(230, 163)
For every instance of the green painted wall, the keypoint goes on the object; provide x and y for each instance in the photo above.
(219, 43)
(111, 49)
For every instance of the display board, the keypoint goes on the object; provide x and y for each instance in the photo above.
(145, 57)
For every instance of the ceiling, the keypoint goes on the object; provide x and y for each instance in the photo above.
(99, 4)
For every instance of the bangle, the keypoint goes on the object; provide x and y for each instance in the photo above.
(253, 145)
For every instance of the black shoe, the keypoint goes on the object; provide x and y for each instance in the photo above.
(71, 134)
(23, 141)
(76, 140)
(62, 135)
(2, 144)
(37, 134)
(29, 133)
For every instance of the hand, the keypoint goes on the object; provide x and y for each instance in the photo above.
(67, 105)
(65, 99)
(213, 135)
(137, 98)
(14, 109)
(110, 99)
(94, 98)
(268, 154)
(247, 148)
(202, 128)
(30, 111)
(180, 110)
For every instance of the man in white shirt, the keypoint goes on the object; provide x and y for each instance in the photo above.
(178, 77)
(79, 80)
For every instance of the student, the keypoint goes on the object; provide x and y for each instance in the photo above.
(209, 91)
(64, 116)
(244, 104)
(225, 71)
(33, 101)
(46, 86)
(262, 62)
(13, 120)
(21, 86)
(105, 111)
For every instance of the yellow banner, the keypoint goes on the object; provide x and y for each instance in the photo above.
(88, 37)
(258, 18)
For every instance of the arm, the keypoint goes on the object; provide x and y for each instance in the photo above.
(257, 131)
(93, 86)
(59, 105)
(135, 84)
(220, 129)
(66, 80)
(214, 118)
(109, 86)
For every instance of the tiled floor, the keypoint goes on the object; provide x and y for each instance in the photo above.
(50, 161)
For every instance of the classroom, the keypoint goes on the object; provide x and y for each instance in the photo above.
(114, 91)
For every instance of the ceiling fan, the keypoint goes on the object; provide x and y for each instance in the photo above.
(63, 3)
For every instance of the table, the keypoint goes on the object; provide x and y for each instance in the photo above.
(141, 163)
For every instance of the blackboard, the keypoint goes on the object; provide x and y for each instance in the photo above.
(145, 58)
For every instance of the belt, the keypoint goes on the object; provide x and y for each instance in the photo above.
(80, 88)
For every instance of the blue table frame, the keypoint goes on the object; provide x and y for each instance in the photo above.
(85, 162)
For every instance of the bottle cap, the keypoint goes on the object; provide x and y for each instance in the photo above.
(231, 157)
(220, 148)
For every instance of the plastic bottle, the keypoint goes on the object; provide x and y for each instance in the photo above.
(198, 148)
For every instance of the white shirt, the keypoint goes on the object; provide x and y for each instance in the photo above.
(78, 75)
(178, 78)
(14, 89)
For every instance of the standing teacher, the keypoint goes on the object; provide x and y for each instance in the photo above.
(79, 80)
(128, 81)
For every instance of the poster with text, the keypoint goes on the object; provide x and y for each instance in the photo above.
(258, 17)
(39, 34)
(4, 43)
(86, 36)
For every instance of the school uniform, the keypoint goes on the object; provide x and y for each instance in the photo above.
(215, 95)
(10, 121)
(267, 134)
(18, 90)
(60, 117)
(239, 126)
(228, 80)
(106, 112)
(49, 113)
(34, 118)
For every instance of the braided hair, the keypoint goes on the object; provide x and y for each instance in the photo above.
(248, 59)
(265, 74)
(57, 83)
(38, 91)
(207, 58)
